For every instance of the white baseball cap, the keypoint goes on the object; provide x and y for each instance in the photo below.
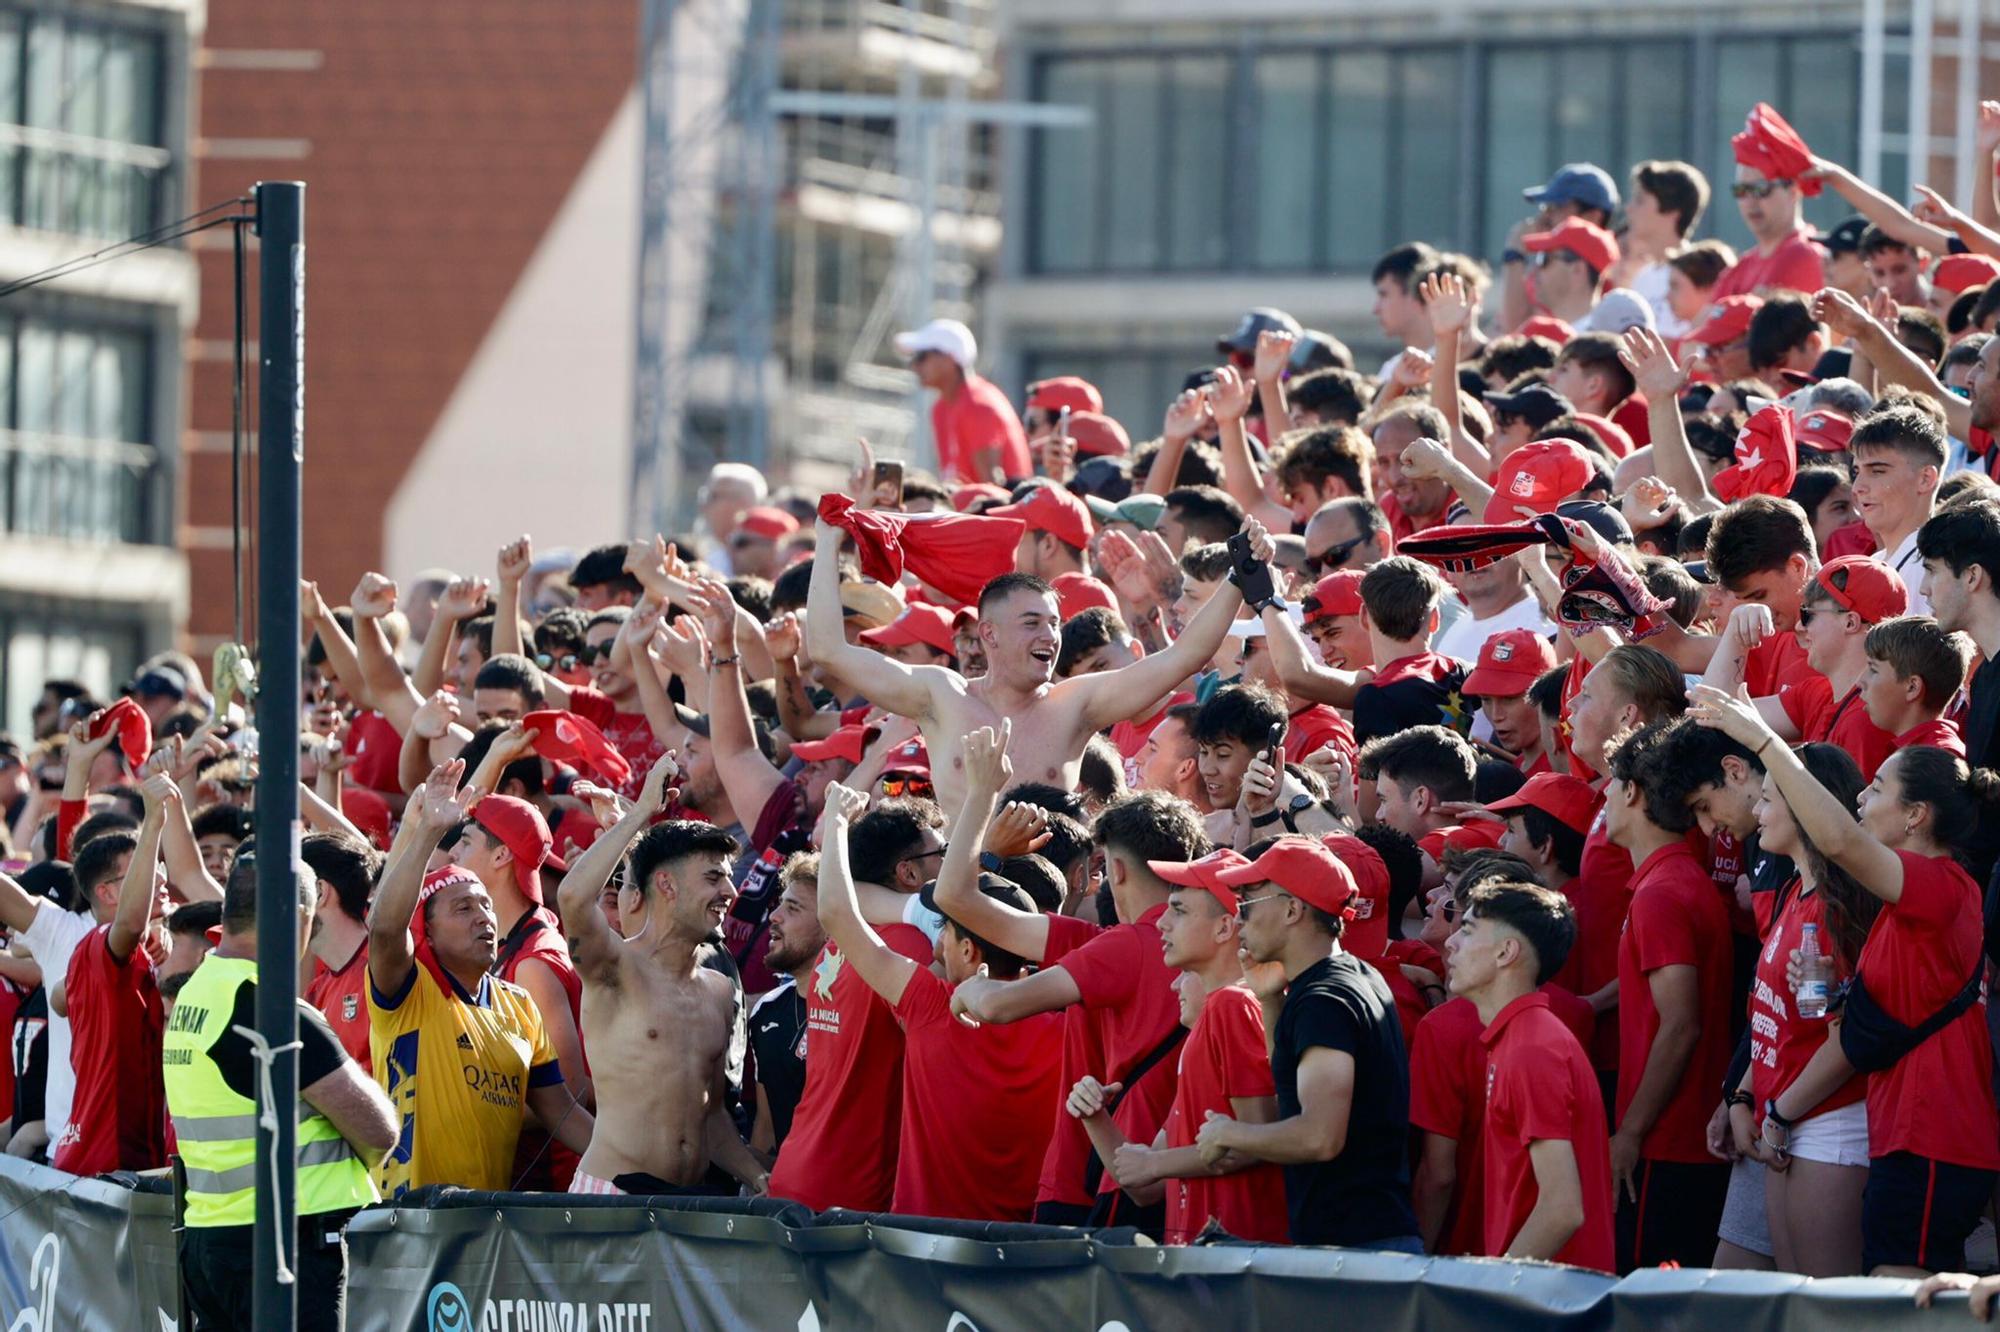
(940, 335)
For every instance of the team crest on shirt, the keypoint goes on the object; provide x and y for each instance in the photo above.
(825, 974)
(799, 1050)
(350, 1007)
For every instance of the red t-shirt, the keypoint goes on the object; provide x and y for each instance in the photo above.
(118, 1118)
(1128, 991)
(1314, 727)
(841, 1151)
(995, 1085)
(1410, 1005)
(978, 417)
(1781, 1042)
(1448, 1098)
(377, 747)
(337, 994)
(1811, 706)
(1540, 1088)
(1224, 1057)
(1793, 266)
(541, 1163)
(629, 733)
(1677, 918)
(1938, 732)
(1853, 539)
(1062, 1180)
(1630, 416)
(1777, 666)
(1600, 894)
(1402, 525)
(1937, 1101)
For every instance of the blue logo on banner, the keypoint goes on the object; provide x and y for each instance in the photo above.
(447, 1310)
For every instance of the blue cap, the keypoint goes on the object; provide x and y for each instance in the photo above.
(1577, 183)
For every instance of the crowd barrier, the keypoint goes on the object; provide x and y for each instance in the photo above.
(98, 1254)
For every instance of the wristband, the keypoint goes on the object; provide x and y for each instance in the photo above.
(1267, 818)
(720, 662)
(1270, 603)
(1740, 1097)
(990, 863)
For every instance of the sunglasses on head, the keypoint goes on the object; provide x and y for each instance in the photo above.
(1756, 189)
(1333, 557)
(900, 784)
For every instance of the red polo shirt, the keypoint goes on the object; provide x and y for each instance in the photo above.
(118, 1120)
(1820, 717)
(337, 994)
(1224, 1057)
(1448, 1098)
(978, 417)
(1599, 894)
(1937, 732)
(1540, 1088)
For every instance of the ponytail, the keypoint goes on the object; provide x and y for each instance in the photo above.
(1960, 796)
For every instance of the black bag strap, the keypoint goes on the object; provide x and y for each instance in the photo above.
(1904, 1040)
(1093, 1169)
(525, 929)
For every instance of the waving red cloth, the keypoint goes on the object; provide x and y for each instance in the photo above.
(568, 738)
(1767, 457)
(135, 731)
(956, 553)
(1770, 145)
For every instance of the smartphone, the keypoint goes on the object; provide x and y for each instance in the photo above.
(888, 485)
(1274, 745)
(1253, 575)
(1062, 424)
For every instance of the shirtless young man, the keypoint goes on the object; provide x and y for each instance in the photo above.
(1021, 628)
(657, 1022)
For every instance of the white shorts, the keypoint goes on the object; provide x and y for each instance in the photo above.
(1838, 1137)
(591, 1184)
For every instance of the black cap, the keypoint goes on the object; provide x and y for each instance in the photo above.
(162, 681)
(1538, 404)
(1833, 363)
(1315, 350)
(1845, 237)
(1600, 518)
(1102, 477)
(1260, 320)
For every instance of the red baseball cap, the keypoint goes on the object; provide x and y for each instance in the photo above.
(1568, 800)
(846, 743)
(1053, 510)
(1956, 273)
(1541, 475)
(1077, 592)
(1479, 835)
(1098, 436)
(1586, 240)
(135, 730)
(1555, 330)
(1767, 457)
(1052, 395)
(1305, 869)
(519, 827)
(1510, 661)
(767, 522)
(972, 492)
(1202, 874)
(1367, 934)
(1825, 429)
(566, 737)
(1339, 593)
(929, 625)
(1726, 321)
(911, 757)
(1865, 586)
(1609, 433)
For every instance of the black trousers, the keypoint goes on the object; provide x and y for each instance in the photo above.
(216, 1266)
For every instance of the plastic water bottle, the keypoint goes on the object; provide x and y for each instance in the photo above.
(1815, 974)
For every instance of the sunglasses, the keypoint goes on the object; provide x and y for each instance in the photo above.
(919, 787)
(1547, 257)
(595, 652)
(937, 851)
(568, 661)
(1333, 557)
(1243, 904)
(1756, 189)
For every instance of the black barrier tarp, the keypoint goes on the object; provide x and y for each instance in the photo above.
(96, 1254)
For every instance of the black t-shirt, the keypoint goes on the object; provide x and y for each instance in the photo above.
(31, 1057)
(1427, 690)
(1361, 1196)
(1981, 730)
(778, 1051)
(319, 1050)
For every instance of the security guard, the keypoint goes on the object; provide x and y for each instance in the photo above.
(213, 1092)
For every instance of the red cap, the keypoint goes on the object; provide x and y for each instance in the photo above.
(1767, 457)
(848, 743)
(1609, 433)
(1568, 800)
(572, 739)
(1586, 240)
(911, 757)
(929, 625)
(135, 731)
(1541, 475)
(971, 493)
(1367, 934)
(1202, 874)
(1479, 835)
(1555, 330)
(1510, 661)
(1098, 436)
(435, 882)
(1077, 592)
(1767, 144)
(1052, 395)
(1339, 593)
(1824, 428)
(1865, 586)
(1956, 273)
(1726, 321)
(1305, 869)
(765, 521)
(370, 814)
(1053, 510)
(520, 828)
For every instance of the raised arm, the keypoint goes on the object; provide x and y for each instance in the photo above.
(139, 892)
(1449, 305)
(795, 710)
(1645, 354)
(1274, 355)
(1891, 217)
(594, 945)
(389, 690)
(1891, 359)
(1428, 458)
(1230, 399)
(1830, 824)
(747, 776)
(1299, 673)
(510, 569)
(334, 642)
(1185, 416)
(635, 644)
(435, 807)
(987, 772)
(887, 683)
(181, 855)
(1939, 212)
(1749, 625)
(18, 907)
(460, 600)
(887, 971)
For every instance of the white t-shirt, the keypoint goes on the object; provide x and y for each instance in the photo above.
(51, 939)
(1651, 283)
(1909, 567)
(1463, 638)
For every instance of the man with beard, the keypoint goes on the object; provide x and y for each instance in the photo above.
(778, 1022)
(658, 1021)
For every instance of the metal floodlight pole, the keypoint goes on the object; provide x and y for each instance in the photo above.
(281, 208)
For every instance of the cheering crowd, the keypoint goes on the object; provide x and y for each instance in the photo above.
(1529, 800)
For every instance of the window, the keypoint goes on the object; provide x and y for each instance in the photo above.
(80, 126)
(74, 403)
(1812, 81)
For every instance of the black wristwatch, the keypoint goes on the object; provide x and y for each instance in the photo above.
(1300, 803)
(991, 863)
(1268, 817)
(1771, 1113)
(1270, 603)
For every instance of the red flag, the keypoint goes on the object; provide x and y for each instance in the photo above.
(1767, 457)
(956, 553)
(568, 738)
